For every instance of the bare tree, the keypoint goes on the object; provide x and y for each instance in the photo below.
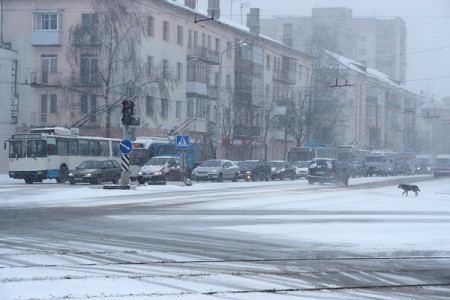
(104, 57)
(324, 106)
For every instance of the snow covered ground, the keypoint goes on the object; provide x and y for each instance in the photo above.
(392, 223)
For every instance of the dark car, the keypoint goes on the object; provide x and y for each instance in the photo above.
(160, 169)
(282, 169)
(255, 170)
(96, 172)
(326, 170)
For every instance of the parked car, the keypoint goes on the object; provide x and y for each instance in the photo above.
(301, 168)
(327, 170)
(160, 169)
(96, 172)
(253, 170)
(282, 169)
(216, 170)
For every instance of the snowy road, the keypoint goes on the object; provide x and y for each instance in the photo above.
(263, 240)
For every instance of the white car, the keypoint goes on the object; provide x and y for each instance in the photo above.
(301, 168)
(216, 170)
(160, 169)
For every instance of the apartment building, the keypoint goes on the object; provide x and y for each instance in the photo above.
(187, 72)
(8, 101)
(378, 43)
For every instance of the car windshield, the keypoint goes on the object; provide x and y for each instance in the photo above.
(157, 161)
(90, 164)
(211, 163)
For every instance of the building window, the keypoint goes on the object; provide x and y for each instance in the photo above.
(48, 106)
(268, 59)
(195, 39)
(228, 83)
(165, 68)
(203, 40)
(149, 106)
(49, 64)
(88, 105)
(218, 45)
(178, 110)
(88, 69)
(190, 38)
(180, 35)
(179, 72)
(46, 21)
(166, 31)
(150, 66)
(164, 108)
(197, 71)
(150, 26)
(229, 48)
(201, 108)
(89, 22)
(190, 108)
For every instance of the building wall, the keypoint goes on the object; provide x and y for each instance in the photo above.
(8, 102)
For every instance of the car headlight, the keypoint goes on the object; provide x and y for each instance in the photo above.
(158, 173)
(140, 173)
(70, 174)
(88, 174)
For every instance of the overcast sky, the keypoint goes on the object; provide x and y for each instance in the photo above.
(427, 22)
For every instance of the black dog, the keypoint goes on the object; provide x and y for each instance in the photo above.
(409, 187)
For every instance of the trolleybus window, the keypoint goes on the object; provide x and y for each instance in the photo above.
(116, 149)
(73, 147)
(95, 147)
(17, 149)
(84, 147)
(36, 148)
(104, 148)
(62, 146)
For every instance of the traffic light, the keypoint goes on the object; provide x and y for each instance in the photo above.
(128, 112)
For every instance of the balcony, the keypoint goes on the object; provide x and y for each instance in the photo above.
(197, 88)
(46, 38)
(205, 54)
(45, 79)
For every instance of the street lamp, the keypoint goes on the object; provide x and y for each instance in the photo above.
(219, 95)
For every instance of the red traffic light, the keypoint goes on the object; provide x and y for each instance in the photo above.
(126, 104)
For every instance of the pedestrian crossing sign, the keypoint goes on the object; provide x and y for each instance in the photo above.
(182, 142)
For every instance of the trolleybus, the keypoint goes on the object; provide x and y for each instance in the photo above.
(49, 153)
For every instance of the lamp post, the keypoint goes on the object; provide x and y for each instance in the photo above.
(219, 103)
